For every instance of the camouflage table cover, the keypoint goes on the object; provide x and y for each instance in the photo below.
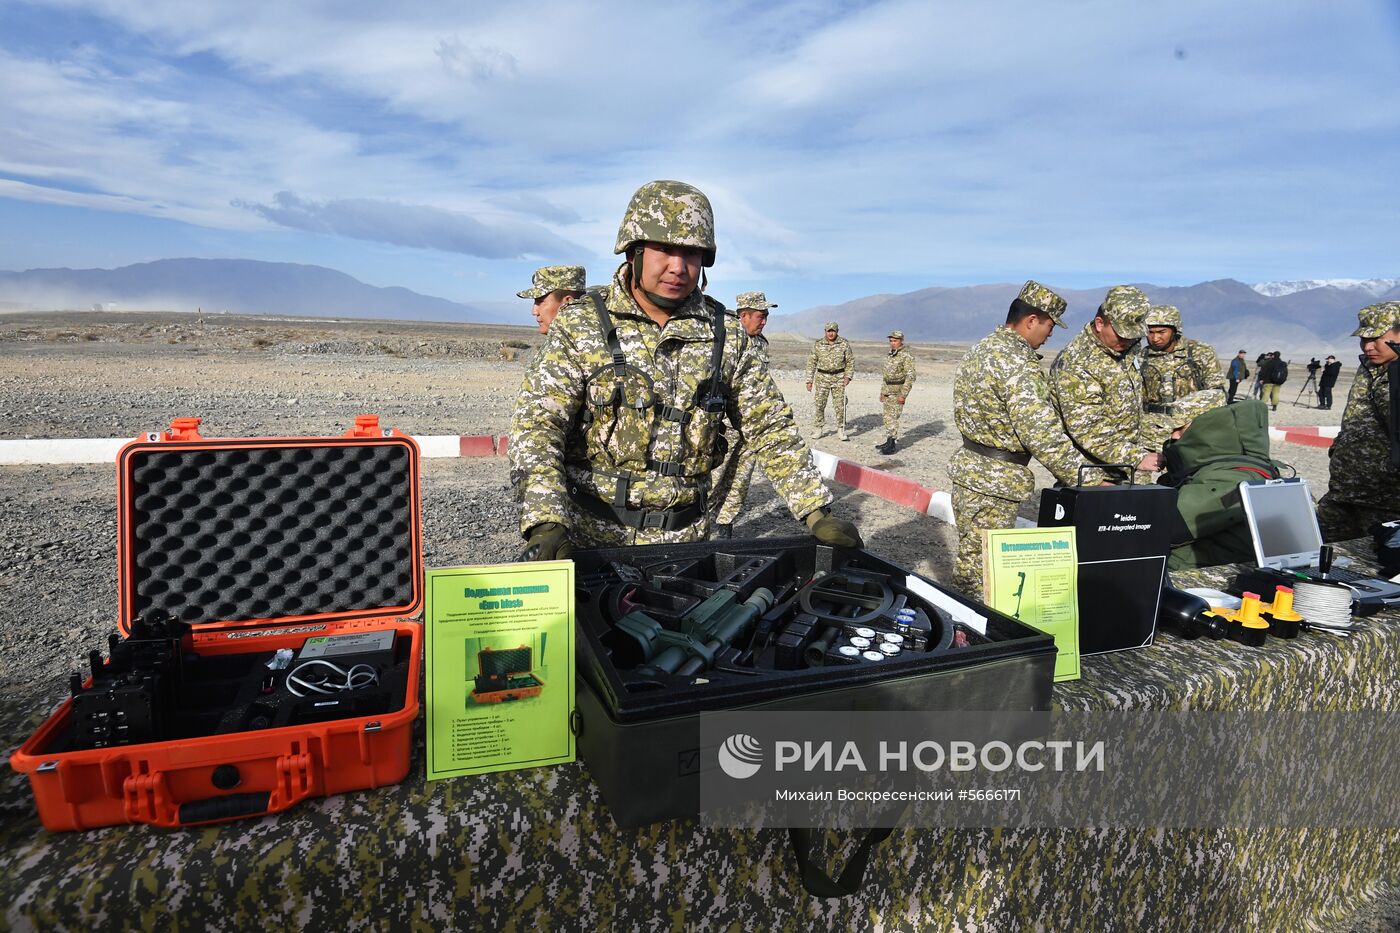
(537, 850)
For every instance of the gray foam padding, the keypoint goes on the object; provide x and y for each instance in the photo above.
(262, 532)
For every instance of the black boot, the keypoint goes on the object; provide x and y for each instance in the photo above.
(890, 446)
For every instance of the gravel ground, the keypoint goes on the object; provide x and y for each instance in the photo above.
(119, 375)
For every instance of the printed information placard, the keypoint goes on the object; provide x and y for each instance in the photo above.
(1032, 575)
(500, 667)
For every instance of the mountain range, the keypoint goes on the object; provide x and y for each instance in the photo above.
(1301, 317)
(1227, 314)
(238, 286)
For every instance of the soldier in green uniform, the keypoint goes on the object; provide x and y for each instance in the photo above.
(550, 287)
(732, 481)
(1097, 388)
(1181, 377)
(620, 428)
(1363, 485)
(830, 369)
(1002, 407)
(896, 379)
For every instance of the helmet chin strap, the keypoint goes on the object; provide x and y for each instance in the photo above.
(661, 301)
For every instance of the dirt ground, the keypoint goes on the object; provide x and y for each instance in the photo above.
(116, 375)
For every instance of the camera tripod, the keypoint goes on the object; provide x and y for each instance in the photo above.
(1310, 381)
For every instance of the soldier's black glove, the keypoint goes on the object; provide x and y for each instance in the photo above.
(547, 541)
(837, 532)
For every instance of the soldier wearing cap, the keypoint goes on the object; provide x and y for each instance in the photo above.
(1364, 482)
(830, 369)
(620, 428)
(731, 482)
(1002, 407)
(896, 379)
(550, 287)
(1097, 388)
(1181, 377)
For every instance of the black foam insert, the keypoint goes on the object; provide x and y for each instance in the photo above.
(506, 661)
(252, 533)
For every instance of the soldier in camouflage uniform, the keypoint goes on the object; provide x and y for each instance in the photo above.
(1181, 377)
(1097, 388)
(620, 429)
(830, 370)
(1364, 483)
(1002, 407)
(896, 379)
(550, 287)
(731, 482)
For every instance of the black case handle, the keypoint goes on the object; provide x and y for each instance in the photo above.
(1079, 477)
(226, 807)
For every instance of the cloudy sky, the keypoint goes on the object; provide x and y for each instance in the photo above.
(849, 148)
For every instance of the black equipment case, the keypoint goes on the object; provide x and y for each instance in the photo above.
(757, 613)
(1123, 535)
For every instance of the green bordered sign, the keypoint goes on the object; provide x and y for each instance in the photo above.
(500, 667)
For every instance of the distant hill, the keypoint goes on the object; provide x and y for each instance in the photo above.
(239, 286)
(1225, 313)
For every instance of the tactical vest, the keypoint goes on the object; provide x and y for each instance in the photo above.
(622, 397)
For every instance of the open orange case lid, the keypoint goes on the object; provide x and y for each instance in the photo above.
(228, 534)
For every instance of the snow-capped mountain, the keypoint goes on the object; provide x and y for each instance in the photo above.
(1374, 287)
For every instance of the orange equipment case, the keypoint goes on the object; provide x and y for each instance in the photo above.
(505, 675)
(243, 547)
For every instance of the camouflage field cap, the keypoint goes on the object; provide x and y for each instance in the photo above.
(669, 212)
(1163, 316)
(1125, 307)
(896, 335)
(555, 279)
(832, 325)
(1043, 299)
(1377, 319)
(754, 301)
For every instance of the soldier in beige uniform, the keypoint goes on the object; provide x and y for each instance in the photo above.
(620, 426)
(830, 369)
(1097, 387)
(896, 380)
(1002, 407)
(550, 287)
(732, 480)
(1363, 485)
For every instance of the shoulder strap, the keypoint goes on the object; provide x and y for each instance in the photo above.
(716, 391)
(608, 329)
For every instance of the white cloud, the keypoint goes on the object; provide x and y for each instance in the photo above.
(413, 225)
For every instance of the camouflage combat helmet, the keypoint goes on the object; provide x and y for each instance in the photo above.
(669, 212)
(1164, 316)
(1375, 320)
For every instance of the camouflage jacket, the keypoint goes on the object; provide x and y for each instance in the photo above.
(559, 448)
(1360, 468)
(899, 373)
(1098, 394)
(1187, 377)
(1001, 400)
(831, 355)
(516, 474)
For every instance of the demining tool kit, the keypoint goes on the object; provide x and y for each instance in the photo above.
(266, 652)
(505, 676)
(667, 632)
